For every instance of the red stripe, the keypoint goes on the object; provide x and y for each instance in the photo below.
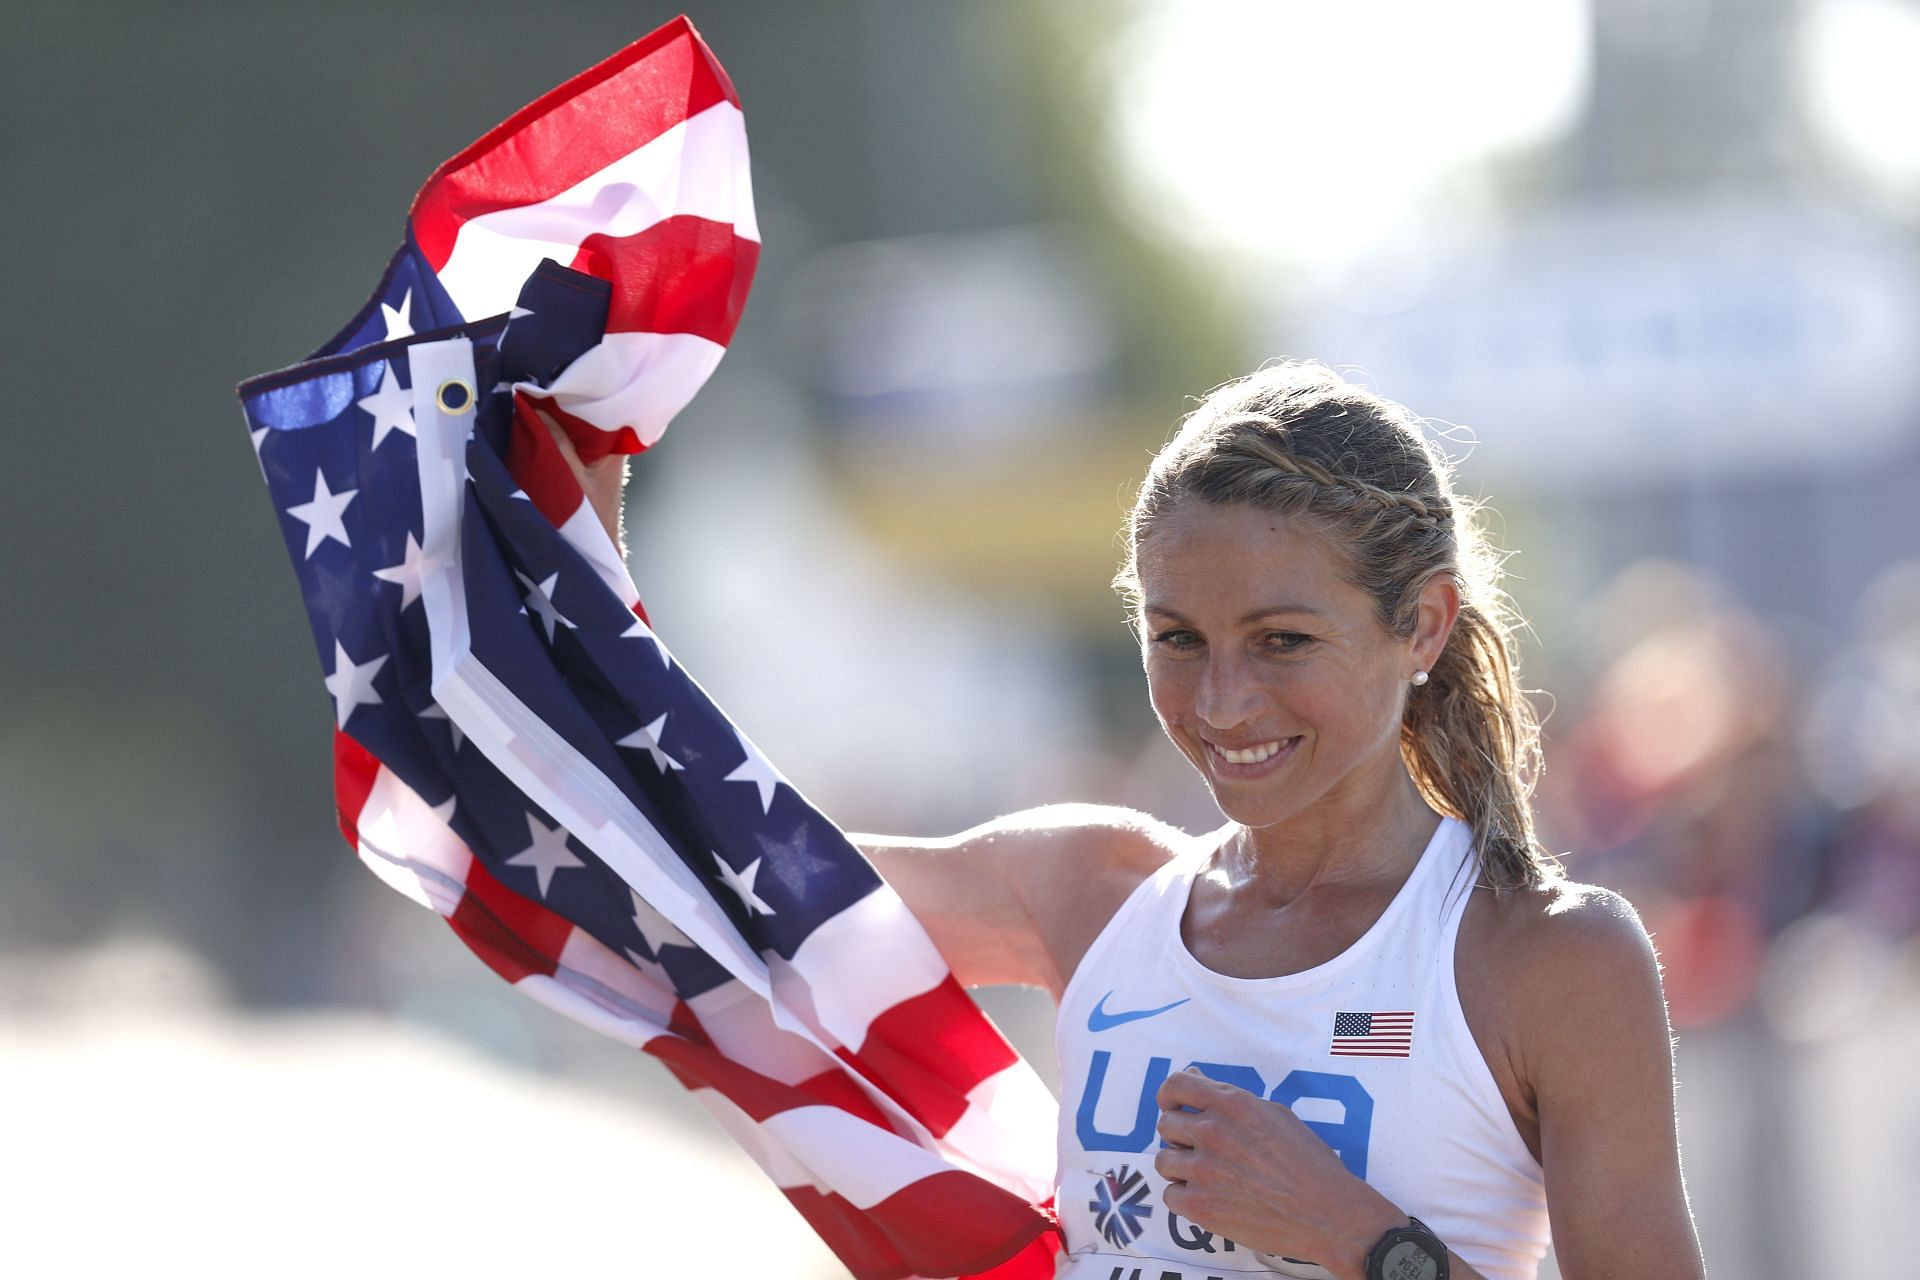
(354, 768)
(862, 1247)
(836, 1088)
(949, 1223)
(1035, 1262)
(572, 132)
(695, 1063)
(516, 936)
(681, 275)
(1369, 1053)
(956, 1223)
(536, 465)
(927, 1052)
(590, 442)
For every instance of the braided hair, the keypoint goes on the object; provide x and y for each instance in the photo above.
(1297, 440)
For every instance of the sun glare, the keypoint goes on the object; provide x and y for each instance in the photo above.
(1860, 90)
(1304, 131)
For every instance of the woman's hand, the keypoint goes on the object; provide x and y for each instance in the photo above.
(1250, 1169)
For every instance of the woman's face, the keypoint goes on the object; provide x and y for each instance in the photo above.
(1267, 668)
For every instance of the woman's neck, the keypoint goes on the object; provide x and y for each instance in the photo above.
(1356, 837)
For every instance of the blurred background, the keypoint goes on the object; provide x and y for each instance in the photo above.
(1649, 265)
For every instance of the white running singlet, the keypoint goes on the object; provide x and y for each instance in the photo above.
(1370, 1049)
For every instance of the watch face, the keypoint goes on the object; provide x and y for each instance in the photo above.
(1408, 1260)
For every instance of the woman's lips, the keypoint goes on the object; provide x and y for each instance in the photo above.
(1251, 760)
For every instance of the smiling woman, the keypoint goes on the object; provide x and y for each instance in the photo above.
(1366, 1028)
(1327, 499)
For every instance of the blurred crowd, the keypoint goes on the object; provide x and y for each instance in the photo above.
(1761, 810)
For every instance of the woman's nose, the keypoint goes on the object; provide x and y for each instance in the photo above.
(1228, 696)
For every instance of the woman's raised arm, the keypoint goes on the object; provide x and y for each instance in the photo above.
(1018, 900)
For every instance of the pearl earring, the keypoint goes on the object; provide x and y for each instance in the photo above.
(1419, 678)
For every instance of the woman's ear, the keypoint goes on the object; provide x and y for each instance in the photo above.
(1436, 612)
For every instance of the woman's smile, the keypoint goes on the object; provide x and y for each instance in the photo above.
(1250, 760)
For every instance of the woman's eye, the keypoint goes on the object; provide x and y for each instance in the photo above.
(1177, 639)
(1288, 640)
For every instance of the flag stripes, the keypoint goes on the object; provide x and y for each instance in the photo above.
(522, 754)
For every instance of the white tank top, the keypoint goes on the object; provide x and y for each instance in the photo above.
(1370, 1049)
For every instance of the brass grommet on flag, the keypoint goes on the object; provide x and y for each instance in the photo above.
(454, 397)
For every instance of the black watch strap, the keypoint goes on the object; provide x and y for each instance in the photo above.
(1408, 1253)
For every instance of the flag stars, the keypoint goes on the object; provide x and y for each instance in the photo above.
(651, 970)
(640, 631)
(547, 854)
(322, 516)
(741, 882)
(540, 599)
(406, 574)
(654, 929)
(399, 319)
(391, 407)
(259, 436)
(351, 684)
(758, 770)
(435, 711)
(647, 738)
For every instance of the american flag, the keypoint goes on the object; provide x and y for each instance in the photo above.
(1372, 1035)
(517, 749)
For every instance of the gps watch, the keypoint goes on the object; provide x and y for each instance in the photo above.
(1408, 1253)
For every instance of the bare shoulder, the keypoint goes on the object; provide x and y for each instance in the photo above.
(1562, 922)
(1589, 1072)
(1074, 865)
(1019, 898)
(1563, 972)
(1086, 839)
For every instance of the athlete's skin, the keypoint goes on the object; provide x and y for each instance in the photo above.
(1251, 635)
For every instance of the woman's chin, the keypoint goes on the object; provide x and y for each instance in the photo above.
(1252, 810)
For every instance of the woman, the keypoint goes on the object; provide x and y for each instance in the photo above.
(1365, 1028)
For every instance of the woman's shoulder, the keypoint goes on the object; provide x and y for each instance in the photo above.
(1561, 924)
(1561, 968)
(1099, 835)
(1078, 863)
(1086, 858)
(1013, 899)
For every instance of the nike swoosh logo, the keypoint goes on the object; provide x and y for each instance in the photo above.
(1101, 1020)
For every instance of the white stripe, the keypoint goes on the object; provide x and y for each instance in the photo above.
(606, 975)
(638, 380)
(585, 534)
(827, 1149)
(741, 1026)
(404, 842)
(1007, 1133)
(778, 1163)
(699, 168)
(849, 990)
(633, 1028)
(863, 1163)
